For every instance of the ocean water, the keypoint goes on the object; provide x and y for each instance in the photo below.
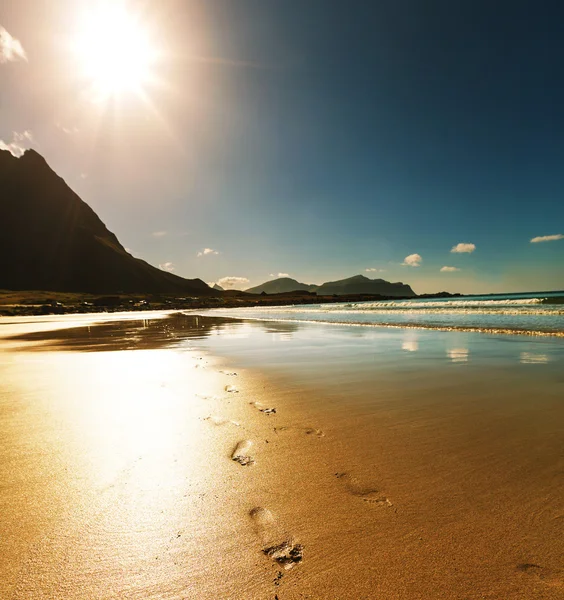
(538, 313)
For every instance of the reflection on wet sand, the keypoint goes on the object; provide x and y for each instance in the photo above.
(458, 355)
(534, 358)
(146, 334)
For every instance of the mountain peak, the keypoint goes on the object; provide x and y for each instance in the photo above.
(357, 284)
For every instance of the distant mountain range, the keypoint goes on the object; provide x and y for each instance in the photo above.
(51, 240)
(359, 284)
(281, 286)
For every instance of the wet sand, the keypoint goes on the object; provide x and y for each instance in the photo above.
(201, 458)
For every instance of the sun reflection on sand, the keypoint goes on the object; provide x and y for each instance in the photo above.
(127, 408)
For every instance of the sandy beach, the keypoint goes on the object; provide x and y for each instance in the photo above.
(195, 457)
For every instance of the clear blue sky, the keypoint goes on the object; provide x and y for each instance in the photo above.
(312, 137)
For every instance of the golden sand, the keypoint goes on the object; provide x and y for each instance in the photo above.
(168, 473)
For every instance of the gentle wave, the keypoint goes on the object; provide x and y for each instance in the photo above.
(444, 310)
(471, 329)
(539, 314)
(455, 304)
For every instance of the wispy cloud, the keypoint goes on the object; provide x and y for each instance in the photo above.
(373, 270)
(413, 260)
(547, 238)
(66, 129)
(207, 252)
(449, 269)
(232, 283)
(10, 48)
(19, 144)
(167, 266)
(159, 234)
(463, 248)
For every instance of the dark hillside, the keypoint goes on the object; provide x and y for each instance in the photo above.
(51, 240)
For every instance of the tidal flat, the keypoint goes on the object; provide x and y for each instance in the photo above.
(193, 456)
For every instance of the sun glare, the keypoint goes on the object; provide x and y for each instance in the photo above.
(114, 51)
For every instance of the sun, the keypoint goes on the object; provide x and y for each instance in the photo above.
(114, 51)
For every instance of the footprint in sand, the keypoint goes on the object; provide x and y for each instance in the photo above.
(369, 495)
(229, 373)
(261, 517)
(552, 577)
(215, 420)
(232, 389)
(263, 409)
(286, 553)
(241, 453)
(307, 430)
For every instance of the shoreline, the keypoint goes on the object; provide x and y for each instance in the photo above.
(38, 303)
(143, 481)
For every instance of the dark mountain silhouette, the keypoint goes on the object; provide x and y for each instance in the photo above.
(51, 240)
(280, 286)
(353, 285)
(217, 287)
(359, 284)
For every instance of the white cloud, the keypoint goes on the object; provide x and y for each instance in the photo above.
(547, 238)
(372, 270)
(158, 234)
(283, 275)
(19, 144)
(232, 283)
(167, 266)
(413, 260)
(462, 247)
(10, 48)
(449, 269)
(207, 251)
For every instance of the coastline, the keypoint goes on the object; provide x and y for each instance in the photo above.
(378, 491)
(38, 303)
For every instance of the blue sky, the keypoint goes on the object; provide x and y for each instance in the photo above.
(317, 139)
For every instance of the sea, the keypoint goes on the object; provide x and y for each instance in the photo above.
(531, 313)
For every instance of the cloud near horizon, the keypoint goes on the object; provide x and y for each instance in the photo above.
(232, 283)
(449, 269)
(413, 260)
(10, 48)
(547, 238)
(372, 270)
(280, 275)
(19, 144)
(207, 251)
(463, 248)
(167, 266)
